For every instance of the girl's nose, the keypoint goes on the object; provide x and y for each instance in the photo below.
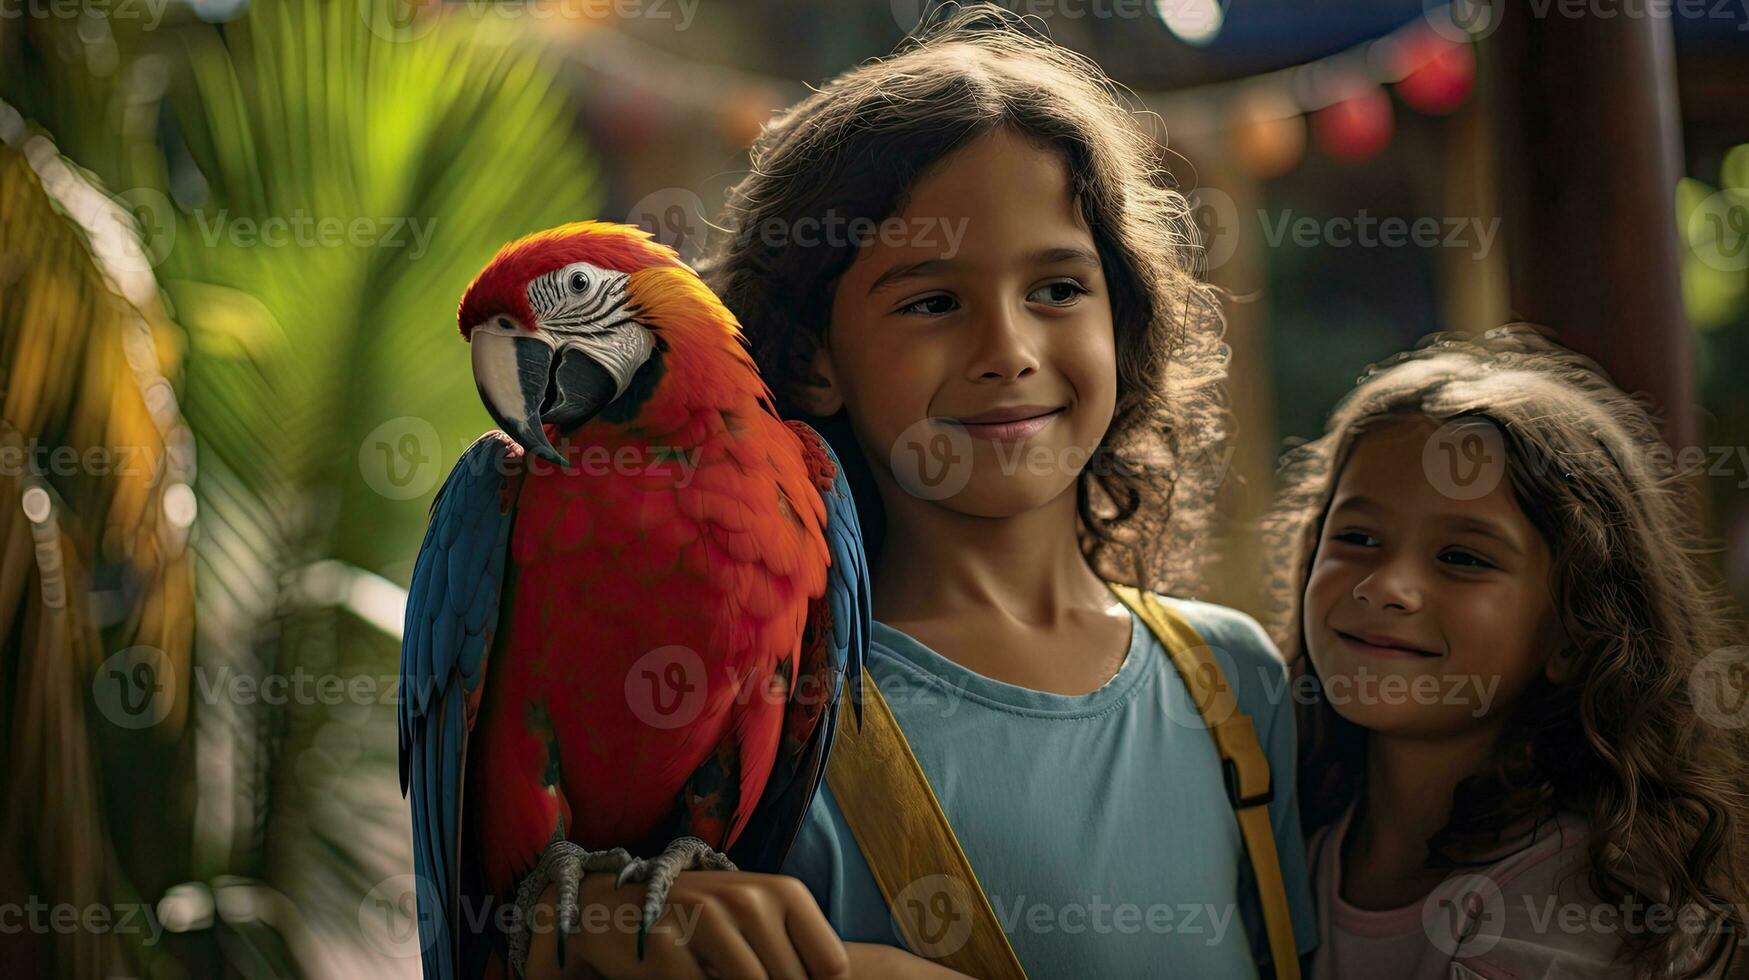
(1005, 350)
(1390, 586)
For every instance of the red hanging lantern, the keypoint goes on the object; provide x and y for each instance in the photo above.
(1355, 128)
(1436, 74)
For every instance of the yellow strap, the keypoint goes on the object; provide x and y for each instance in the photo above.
(918, 864)
(923, 874)
(1242, 759)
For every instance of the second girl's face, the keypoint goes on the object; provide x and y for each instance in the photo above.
(1425, 614)
(985, 292)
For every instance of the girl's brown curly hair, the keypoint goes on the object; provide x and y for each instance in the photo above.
(1621, 741)
(850, 152)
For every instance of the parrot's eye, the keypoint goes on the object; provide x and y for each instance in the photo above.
(579, 282)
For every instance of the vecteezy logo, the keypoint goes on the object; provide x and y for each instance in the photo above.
(135, 687)
(1217, 221)
(942, 908)
(1464, 916)
(932, 459)
(1205, 697)
(907, 14)
(1719, 686)
(391, 913)
(1465, 459)
(155, 217)
(666, 687)
(1462, 21)
(398, 459)
(396, 20)
(675, 216)
(1718, 231)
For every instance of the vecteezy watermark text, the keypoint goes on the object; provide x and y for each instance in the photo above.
(408, 20)
(1369, 231)
(149, 12)
(1098, 916)
(37, 916)
(304, 230)
(390, 914)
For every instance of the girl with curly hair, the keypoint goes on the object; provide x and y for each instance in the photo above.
(1521, 753)
(964, 264)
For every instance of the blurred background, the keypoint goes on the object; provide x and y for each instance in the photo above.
(233, 234)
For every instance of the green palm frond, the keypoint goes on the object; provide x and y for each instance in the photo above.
(326, 388)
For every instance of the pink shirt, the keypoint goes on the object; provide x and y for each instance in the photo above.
(1528, 915)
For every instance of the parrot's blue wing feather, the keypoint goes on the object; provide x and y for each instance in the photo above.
(452, 613)
(843, 646)
(847, 587)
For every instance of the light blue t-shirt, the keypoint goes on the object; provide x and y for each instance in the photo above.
(1098, 824)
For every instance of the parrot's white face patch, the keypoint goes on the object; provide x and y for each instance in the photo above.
(580, 298)
(586, 307)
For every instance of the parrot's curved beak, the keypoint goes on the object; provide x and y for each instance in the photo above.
(523, 389)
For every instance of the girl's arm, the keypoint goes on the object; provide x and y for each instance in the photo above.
(877, 960)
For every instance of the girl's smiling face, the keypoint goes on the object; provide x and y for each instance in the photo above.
(1464, 584)
(992, 298)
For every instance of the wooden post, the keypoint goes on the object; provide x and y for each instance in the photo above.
(1472, 287)
(1588, 133)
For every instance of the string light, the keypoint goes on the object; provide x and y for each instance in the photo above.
(1263, 118)
(1191, 21)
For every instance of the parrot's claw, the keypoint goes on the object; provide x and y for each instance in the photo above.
(658, 874)
(564, 863)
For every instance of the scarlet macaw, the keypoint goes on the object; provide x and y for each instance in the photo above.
(631, 617)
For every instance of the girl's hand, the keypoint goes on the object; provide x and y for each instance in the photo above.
(716, 924)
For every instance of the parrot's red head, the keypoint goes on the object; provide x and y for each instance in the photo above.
(503, 287)
(562, 321)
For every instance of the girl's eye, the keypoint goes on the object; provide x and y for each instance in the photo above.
(1062, 292)
(1464, 559)
(937, 309)
(1360, 538)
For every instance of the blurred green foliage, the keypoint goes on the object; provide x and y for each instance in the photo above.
(315, 184)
